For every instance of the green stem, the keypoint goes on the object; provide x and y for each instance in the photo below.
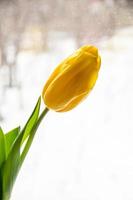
(31, 137)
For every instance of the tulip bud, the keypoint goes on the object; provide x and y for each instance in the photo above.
(72, 80)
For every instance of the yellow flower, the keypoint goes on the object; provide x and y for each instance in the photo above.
(72, 80)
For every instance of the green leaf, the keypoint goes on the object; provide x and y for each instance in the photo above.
(10, 139)
(2, 147)
(1, 191)
(2, 157)
(11, 166)
(32, 134)
(32, 120)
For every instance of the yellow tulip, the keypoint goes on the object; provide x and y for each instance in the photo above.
(72, 80)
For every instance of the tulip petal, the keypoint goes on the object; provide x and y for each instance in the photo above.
(74, 77)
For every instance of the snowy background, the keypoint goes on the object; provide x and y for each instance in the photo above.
(86, 153)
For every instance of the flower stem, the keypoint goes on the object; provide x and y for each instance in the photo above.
(31, 137)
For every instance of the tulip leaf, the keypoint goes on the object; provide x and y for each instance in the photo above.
(11, 167)
(29, 130)
(1, 185)
(2, 147)
(32, 120)
(10, 139)
(2, 157)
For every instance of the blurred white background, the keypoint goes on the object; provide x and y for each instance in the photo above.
(86, 153)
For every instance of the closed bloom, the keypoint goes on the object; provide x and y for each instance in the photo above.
(72, 80)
